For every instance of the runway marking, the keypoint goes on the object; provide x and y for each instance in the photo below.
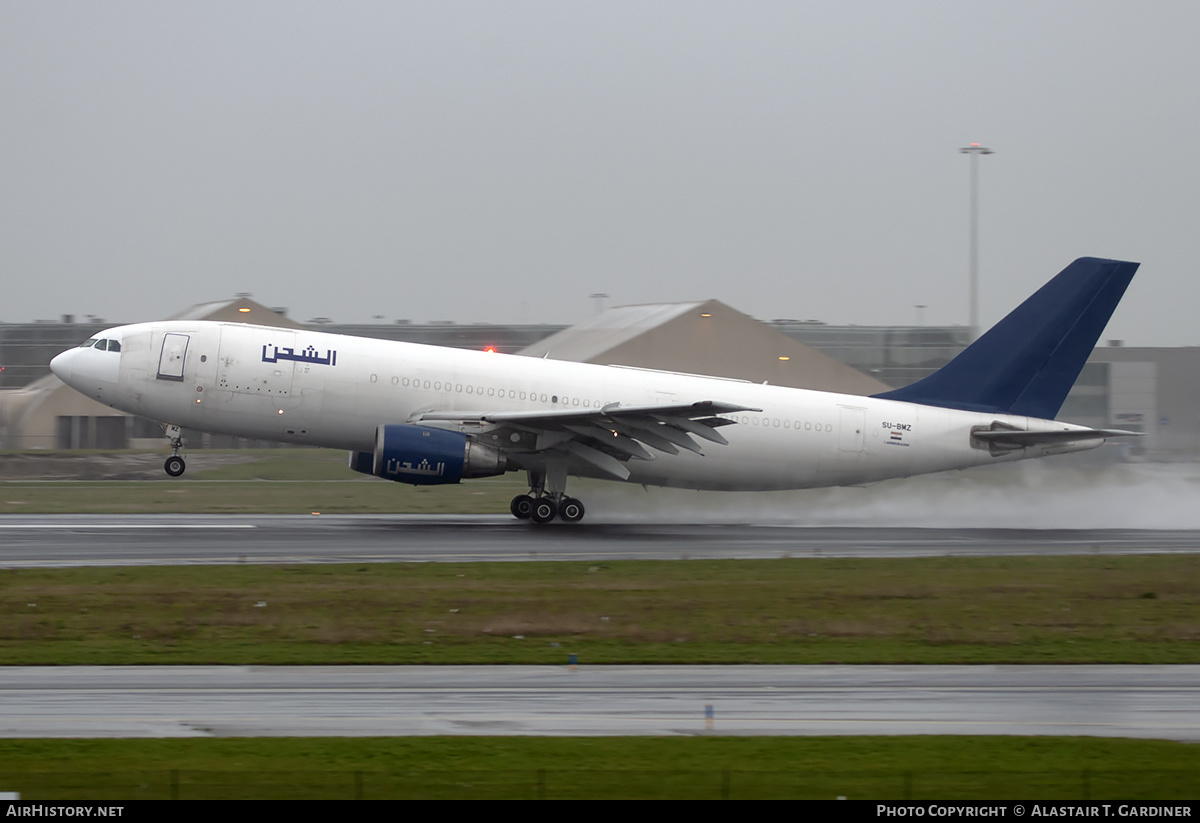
(69, 526)
(909, 693)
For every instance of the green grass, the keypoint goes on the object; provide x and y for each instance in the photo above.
(277, 464)
(250, 497)
(1140, 609)
(946, 610)
(916, 768)
(272, 481)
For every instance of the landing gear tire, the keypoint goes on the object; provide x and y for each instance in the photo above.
(521, 506)
(543, 511)
(174, 465)
(570, 510)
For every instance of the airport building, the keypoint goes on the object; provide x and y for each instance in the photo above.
(1151, 390)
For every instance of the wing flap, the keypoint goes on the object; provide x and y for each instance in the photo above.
(614, 411)
(606, 436)
(700, 429)
(612, 440)
(603, 462)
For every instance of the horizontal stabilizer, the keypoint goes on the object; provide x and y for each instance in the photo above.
(1021, 439)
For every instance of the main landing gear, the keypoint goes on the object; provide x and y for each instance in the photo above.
(545, 508)
(174, 464)
(542, 506)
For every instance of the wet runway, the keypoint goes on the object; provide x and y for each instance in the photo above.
(1130, 701)
(98, 540)
(206, 701)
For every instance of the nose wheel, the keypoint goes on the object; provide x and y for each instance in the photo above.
(174, 465)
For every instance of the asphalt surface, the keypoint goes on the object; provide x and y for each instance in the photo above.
(1128, 701)
(101, 540)
(205, 701)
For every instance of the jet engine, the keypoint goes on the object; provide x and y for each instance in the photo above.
(424, 456)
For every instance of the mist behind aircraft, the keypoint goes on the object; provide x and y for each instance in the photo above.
(1058, 493)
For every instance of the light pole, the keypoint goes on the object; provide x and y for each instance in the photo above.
(975, 150)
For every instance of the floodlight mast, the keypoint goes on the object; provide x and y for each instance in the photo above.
(974, 150)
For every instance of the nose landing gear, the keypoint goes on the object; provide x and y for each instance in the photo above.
(175, 464)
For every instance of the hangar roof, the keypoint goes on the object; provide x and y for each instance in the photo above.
(238, 310)
(706, 337)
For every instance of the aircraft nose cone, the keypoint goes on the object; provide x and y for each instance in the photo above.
(61, 365)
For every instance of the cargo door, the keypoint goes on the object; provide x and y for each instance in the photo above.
(257, 361)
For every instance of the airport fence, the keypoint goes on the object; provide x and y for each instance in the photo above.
(565, 784)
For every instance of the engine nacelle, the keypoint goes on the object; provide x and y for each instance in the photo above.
(424, 456)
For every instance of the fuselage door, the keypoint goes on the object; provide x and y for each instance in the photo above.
(172, 356)
(852, 423)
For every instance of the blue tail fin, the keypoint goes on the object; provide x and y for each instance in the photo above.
(1027, 362)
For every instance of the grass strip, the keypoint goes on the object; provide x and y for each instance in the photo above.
(1102, 609)
(914, 768)
(269, 481)
(255, 497)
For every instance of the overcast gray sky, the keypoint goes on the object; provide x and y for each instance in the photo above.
(501, 161)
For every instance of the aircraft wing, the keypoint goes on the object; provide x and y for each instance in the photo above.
(604, 437)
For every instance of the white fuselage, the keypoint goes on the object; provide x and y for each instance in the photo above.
(301, 386)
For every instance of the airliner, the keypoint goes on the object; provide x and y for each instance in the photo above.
(427, 415)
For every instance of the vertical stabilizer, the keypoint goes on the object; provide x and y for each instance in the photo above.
(1027, 362)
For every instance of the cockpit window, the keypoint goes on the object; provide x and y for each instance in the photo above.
(102, 345)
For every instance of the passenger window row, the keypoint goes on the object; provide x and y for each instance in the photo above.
(490, 391)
